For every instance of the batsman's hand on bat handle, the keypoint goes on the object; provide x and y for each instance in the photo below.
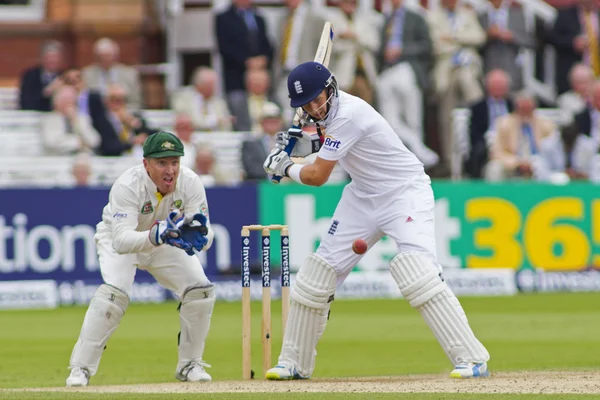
(288, 149)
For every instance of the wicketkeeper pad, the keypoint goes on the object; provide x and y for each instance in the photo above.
(420, 283)
(101, 319)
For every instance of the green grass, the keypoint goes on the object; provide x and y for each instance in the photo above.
(292, 396)
(363, 338)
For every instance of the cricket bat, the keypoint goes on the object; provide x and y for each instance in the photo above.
(322, 56)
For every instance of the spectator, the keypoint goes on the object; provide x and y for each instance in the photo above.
(109, 71)
(82, 170)
(576, 100)
(258, 83)
(300, 30)
(405, 58)
(66, 130)
(206, 167)
(184, 129)
(243, 44)
(575, 35)
(357, 41)
(128, 130)
(208, 111)
(39, 83)
(516, 146)
(507, 35)
(567, 153)
(456, 35)
(484, 115)
(256, 148)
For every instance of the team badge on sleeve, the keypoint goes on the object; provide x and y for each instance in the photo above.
(204, 210)
(147, 208)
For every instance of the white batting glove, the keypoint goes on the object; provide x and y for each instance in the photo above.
(277, 162)
(305, 144)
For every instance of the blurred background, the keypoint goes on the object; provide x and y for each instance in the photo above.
(499, 99)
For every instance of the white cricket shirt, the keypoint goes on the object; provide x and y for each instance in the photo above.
(134, 206)
(367, 147)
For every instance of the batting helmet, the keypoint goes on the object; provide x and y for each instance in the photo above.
(306, 82)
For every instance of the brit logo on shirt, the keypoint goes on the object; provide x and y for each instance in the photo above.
(333, 227)
(331, 144)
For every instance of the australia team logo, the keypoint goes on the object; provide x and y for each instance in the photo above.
(147, 208)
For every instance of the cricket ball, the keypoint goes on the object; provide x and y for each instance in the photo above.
(359, 246)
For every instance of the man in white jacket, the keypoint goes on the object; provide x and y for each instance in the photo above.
(142, 227)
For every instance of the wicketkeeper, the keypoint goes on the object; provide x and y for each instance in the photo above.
(156, 219)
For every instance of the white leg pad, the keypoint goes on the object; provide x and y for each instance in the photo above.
(311, 296)
(101, 319)
(197, 304)
(420, 283)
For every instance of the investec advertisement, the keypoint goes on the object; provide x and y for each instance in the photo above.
(551, 232)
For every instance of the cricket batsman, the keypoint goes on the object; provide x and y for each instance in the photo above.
(390, 194)
(155, 219)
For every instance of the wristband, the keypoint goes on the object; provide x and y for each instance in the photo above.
(294, 172)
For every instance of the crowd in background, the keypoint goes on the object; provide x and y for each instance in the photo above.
(412, 66)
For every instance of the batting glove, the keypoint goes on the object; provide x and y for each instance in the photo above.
(305, 144)
(277, 162)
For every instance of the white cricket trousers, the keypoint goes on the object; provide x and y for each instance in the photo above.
(405, 216)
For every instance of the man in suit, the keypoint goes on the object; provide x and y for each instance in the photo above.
(506, 36)
(256, 149)
(484, 115)
(457, 36)
(243, 44)
(405, 60)
(357, 41)
(39, 83)
(299, 30)
(575, 101)
(576, 36)
(516, 146)
(200, 101)
(109, 71)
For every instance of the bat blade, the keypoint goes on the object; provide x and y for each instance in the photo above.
(322, 56)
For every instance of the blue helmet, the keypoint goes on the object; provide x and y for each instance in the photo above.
(306, 82)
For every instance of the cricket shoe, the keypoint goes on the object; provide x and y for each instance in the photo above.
(465, 370)
(283, 373)
(78, 377)
(194, 372)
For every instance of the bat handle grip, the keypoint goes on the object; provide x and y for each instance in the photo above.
(288, 149)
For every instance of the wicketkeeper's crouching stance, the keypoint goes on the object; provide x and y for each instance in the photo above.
(155, 219)
(390, 194)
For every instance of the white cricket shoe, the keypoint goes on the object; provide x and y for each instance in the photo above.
(194, 372)
(78, 377)
(470, 370)
(283, 373)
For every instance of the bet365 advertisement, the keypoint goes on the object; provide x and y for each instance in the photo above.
(47, 234)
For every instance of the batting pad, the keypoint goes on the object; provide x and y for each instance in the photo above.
(311, 296)
(101, 319)
(420, 283)
(195, 313)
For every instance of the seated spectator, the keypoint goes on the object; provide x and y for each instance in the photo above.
(208, 111)
(576, 100)
(129, 129)
(566, 153)
(66, 130)
(588, 120)
(457, 35)
(82, 170)
(484, 115)
(109, 71)
(39, 83)
(256, 148)
(258, 84)
(507, 36)
(517, 141)
(206, 167)
(184, 129)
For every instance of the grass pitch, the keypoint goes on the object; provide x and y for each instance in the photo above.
(363, 338)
